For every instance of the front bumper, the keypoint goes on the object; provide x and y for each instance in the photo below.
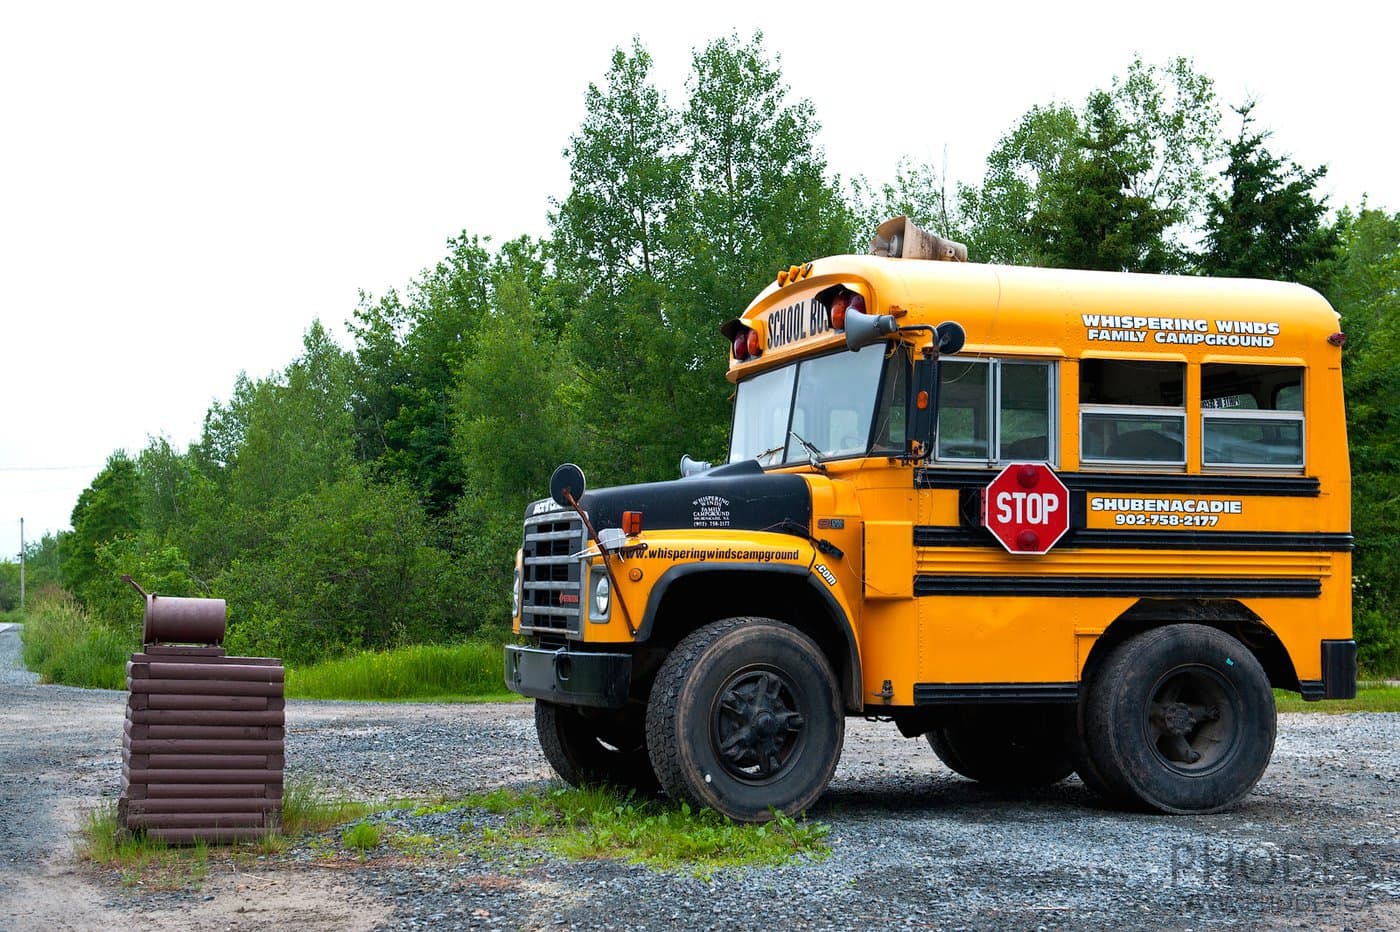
(569, 677)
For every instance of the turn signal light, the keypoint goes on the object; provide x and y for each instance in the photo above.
(631, 523)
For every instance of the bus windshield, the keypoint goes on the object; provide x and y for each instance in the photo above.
(829, 401)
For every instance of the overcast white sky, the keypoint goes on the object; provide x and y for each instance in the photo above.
(185, 186)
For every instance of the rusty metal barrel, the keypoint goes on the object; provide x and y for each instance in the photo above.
(174, 620)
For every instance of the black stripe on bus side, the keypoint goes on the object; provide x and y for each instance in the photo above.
(1177, 587)
(1137, 483)
(958, 693)
(948, 536)
(1210, 540)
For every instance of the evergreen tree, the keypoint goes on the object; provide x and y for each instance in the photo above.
(1269, 224)
(1114, 185)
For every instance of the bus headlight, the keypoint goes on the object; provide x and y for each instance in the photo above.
(600, 597)
(515, 595)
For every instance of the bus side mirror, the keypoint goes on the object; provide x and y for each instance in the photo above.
(950, 337)
(922, 396)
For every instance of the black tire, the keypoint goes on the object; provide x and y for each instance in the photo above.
(1180, 719)
(588, 747)
(1012, 747)
(1084, 765)
(745, 717)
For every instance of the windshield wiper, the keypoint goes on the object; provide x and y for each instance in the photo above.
(814, 455)
(769, 452)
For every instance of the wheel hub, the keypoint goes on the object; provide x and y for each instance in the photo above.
(757, 726)
(1185, 707)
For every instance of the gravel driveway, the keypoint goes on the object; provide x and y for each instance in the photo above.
(1316, 845)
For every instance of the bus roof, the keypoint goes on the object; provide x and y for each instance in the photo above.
(1049, 312)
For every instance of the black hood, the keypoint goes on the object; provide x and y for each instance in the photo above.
(752, 501)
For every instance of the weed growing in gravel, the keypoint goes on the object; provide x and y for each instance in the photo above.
(416, 846)
(361, 836)
(308, 808)
(599, 822)
(141, 861)
(153, 864)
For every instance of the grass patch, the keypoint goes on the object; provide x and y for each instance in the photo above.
(599, 822)
(307, 808)
(1373, 698)
(361, 836)
(472, 670)
(153, 864)
(143, 861)
(63, 644)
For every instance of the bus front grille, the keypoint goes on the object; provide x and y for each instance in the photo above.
(551, 584)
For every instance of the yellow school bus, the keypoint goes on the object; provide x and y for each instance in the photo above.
(1053, 521)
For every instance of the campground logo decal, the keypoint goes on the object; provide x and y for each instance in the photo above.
(710, 511)
(1192, 331)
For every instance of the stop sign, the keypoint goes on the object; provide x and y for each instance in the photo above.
(1026, 507)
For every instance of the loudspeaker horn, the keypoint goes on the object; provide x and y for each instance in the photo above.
(867, 329)
(690, 467)
(900, 238)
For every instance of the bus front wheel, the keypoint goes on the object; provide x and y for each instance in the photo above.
(585, 749)
(745, 717)
(1180, 719)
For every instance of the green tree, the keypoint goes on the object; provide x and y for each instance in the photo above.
(352, 566)
(1269, 224)
(759, 197)
(658, 244)
(1366, 290)
(999, 212)
(408, 354)
(1121, 180)
(613, 239)
(513, 428)
(626, 174)
(920, 192)
(108, 509)
(1089, 216)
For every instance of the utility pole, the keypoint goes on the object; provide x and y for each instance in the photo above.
(21, 564)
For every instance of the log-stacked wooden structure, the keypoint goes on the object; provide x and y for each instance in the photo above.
(204, 744)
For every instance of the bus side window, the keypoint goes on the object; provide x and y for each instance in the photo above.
(1251, 416)
(963, 391)
(995, 410)
(1023, 409)
(1132, 411)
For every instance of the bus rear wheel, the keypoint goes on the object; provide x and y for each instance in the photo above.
(1180, 719)
(745, 717)
(595, 748)
(1010, 747)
